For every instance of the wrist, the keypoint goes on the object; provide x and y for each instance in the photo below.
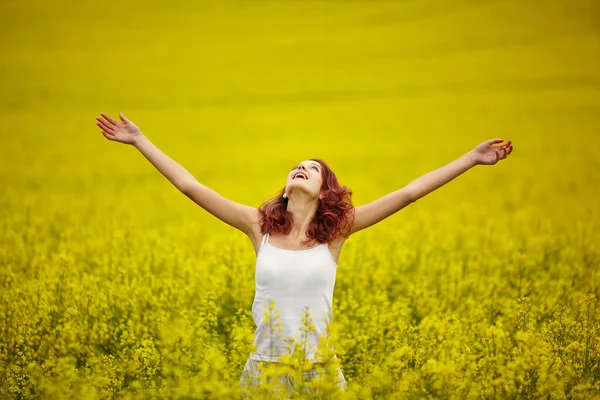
(140, 140)
(471, 158)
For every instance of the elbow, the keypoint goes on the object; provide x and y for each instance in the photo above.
(184, 186)
(411, 195)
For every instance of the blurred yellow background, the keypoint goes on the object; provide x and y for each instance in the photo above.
(238, 91)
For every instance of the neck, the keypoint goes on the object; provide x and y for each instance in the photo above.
(303, 209)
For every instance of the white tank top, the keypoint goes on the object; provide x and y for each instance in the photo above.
(293, 280)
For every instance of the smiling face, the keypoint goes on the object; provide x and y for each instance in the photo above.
(305, 177)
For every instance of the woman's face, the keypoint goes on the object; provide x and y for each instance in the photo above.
(305, 177)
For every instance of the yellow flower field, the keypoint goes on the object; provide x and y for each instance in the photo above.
(115, 285)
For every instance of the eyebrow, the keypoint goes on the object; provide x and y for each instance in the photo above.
(314, 164)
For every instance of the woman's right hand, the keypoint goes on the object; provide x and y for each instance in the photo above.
(123, 131)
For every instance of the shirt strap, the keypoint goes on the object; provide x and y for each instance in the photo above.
(265, 238)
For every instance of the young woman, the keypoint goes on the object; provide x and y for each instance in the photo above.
(297, 236)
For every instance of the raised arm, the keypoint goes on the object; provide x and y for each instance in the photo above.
(376, 211)
(237, 215)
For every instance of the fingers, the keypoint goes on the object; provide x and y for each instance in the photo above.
(104, 125)
(125, 120)
(109, 119)
(108, 135)
(492, 141)
(106, 128)
(506, 147)
(506, 150)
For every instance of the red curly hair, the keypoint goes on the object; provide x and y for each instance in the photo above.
(334, 217)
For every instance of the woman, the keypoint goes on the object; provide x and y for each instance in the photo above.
(298, 237)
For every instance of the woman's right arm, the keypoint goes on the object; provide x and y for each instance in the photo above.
(242, 217)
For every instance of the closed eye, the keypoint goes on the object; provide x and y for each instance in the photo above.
(316, 168)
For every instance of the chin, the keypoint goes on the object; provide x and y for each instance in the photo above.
(297, 184)
(301, 188)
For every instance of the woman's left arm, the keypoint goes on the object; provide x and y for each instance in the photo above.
(374, 212)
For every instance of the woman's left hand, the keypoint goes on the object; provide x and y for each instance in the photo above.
(486, 154)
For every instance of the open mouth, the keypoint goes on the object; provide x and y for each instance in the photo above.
(300, 175)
